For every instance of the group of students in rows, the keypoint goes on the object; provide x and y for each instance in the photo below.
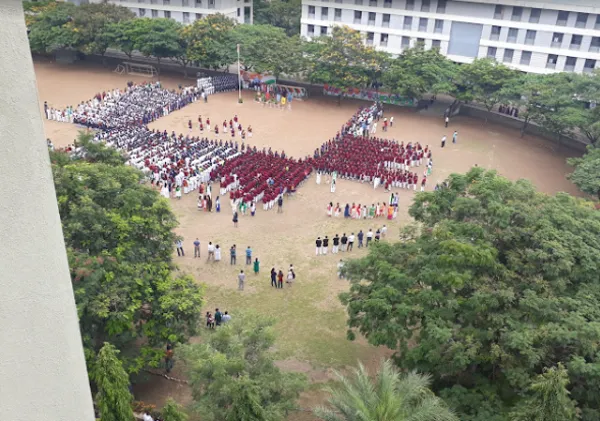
(346, 243)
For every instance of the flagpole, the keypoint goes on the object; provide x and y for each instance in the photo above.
(239, 75)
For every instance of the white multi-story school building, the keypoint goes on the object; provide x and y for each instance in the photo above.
(185, 11)
(539, 36)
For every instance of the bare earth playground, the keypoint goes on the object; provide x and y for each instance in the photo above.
(311, 321)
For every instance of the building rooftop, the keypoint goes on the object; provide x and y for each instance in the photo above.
(589, 6)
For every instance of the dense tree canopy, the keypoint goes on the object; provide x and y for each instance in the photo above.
(500, 284)
(284, 14)
(209, 41)
(389, 397)
(587, 172)
(233, 375)
(119, 237)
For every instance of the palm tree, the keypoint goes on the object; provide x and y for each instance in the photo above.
(389, 397)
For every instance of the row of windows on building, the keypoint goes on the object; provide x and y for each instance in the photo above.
(407, 23)
(382, 38)
(167, 14)
(576, 41)
(410, 4)
(562, 19)
(551, 60)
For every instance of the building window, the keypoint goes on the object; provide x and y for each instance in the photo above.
(581, 21)
(323, 30)
(498, 12)
(517, 14)
(513, 33)
(151, 1)
(436, 44)
(576, 42)
(420, 43)
(407, 22)
(562, 18)
(589, 65)
(142, 12)
(239, 12)
(338, 1)
(425, 5)
(198, 2)
(405, 43)
(198, 16)
(211, 4)
(570, 64)
(508, 55)
(557, 39)
(597, 24)
(385, 21)
(358, 2)
(337, 14)
(534, 17)
(166, 2)
(491, 52)
(410, 4)
(373, 3)
(525, 58)
(387, 4)
(311, 30)
(185, 3)
(551, 62)
(495, 34)
(370, 38)
(423, 24)
(438, 28)
(383, 40)
(167, 14)
(371, 20)
(595, 45)
(324, 13)
(357, 16)
(441, 6)
(530, 37)
(311, 12)
(186, 17)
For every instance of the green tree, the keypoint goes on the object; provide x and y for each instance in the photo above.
(586, 175)
(389, 397)
(267, 49)
(418, 71)
(158, 38)
(124, 35)
(233, 375)
(522, 92)
(483, 80)
(548, 398)
(93, 22)
(52, 29)
(113, 398)
(342, 60)
(500, 283)
(172, 411)
(284, 14)
(119, 241)
(209, 41)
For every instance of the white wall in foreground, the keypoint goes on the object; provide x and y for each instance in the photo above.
(42, 368)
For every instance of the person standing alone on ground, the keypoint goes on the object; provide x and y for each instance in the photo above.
(280, 204)
(179, 245)
(248, 255)
(443, 141)
(235, 219)
(232, 255)
(455, 137)
(197, 248)
(256, 266)
(241, 280)
(447, 120)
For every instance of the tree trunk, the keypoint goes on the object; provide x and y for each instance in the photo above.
(339, 100)
(158, 66)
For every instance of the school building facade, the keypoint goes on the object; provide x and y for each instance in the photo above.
(537, 36)
(185, 11)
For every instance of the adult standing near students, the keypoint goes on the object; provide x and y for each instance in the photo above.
(336, 244)
(443, 141)
(241, 280)
(344, 242)
(179, 245)
(325, 244)
(235, 219)
(446, 120)
(248, 255)
(280, 204)
(211, 251)
(319, 244)
(273, 277)
(196, 248)
(455, 137)
(351, 242)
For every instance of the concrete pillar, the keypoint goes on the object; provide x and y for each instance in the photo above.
(42, 366)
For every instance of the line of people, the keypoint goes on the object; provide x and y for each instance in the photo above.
(346, 243)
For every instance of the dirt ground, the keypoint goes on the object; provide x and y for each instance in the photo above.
(310, 319)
